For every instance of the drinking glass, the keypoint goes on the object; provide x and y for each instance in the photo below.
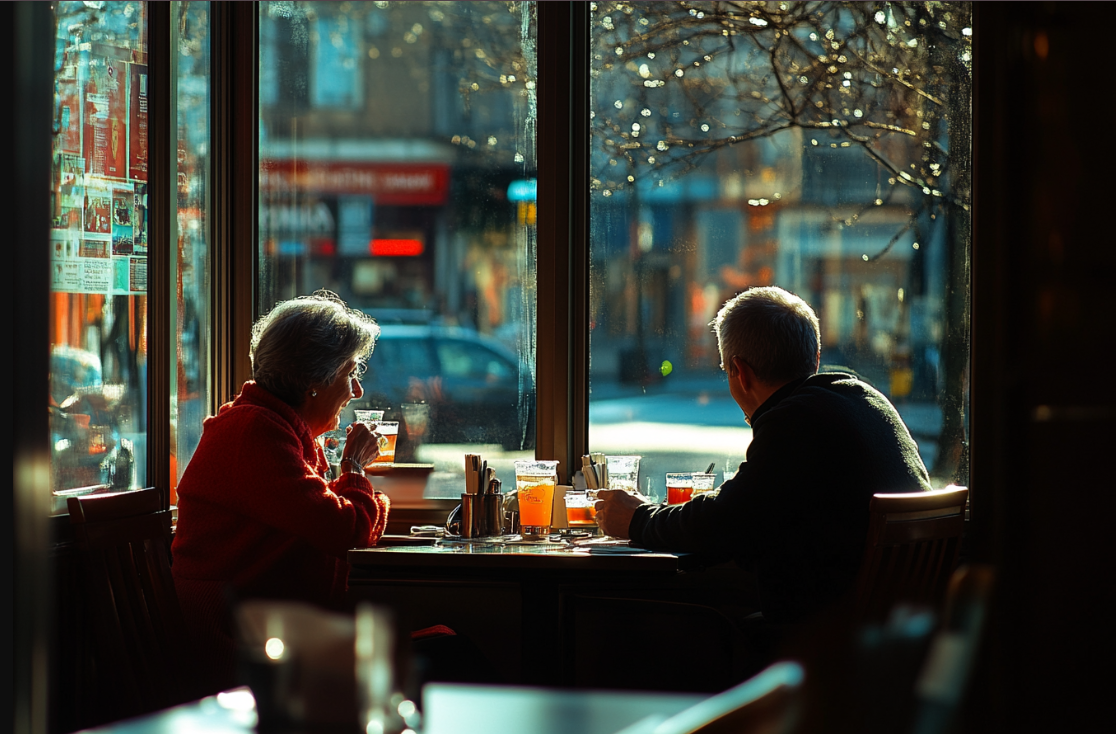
(581, 511)
(333, 443)
(623, 473)
(368, 416)
(680, 487)
(702, 482)
(534, 483)
(389, 434)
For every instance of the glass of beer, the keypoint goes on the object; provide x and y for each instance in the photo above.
(684, 486)
(534, 483)
(389, 433)
(680, 487)
(581, 512)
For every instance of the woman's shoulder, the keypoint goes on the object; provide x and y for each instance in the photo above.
(246, 419)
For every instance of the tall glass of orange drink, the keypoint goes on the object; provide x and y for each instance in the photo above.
(534, 483)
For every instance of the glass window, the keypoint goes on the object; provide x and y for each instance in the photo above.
(99, 240)
(821, 148)
(190, 382)
(397, 162)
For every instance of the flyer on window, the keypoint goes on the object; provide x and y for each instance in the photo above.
(98, 207)
(105, 134)
(129, 276)
(69, 111)
(69, 190)
(80, 264)
(65, 245)
(137, 134)
(139, 219)
(122, 220)
(94, 246)
(137, 274)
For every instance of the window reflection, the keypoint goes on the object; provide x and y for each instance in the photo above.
(99, 241)
(824, 149)
(397, 157)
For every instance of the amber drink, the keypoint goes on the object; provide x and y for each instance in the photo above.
(684, 486)
(534, 483)
(389, 433)
(581, 512)
(680, 487)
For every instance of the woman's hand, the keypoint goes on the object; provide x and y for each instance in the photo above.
(361, 444)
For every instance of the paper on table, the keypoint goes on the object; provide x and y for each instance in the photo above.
(558, 519)
(607, 545)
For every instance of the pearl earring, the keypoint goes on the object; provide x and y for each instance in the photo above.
(313, 393)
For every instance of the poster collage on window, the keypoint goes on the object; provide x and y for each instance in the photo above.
(99, 232)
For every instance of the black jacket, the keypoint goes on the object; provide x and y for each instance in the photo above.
(797, 511)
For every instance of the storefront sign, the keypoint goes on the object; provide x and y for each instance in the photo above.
(390, 184)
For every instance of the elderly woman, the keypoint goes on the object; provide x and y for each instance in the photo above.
(258, 515)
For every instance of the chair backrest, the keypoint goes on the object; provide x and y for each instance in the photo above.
(913, 545)
(134, 663)
(767, 703)
(947, 671)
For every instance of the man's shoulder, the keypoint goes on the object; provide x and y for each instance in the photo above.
(838, 395)
(837, 386)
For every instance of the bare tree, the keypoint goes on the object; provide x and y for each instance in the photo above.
(675, 82)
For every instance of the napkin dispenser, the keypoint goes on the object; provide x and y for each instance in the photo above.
(558, 518)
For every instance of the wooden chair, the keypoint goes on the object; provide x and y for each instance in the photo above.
(130, 660)
(914, 541)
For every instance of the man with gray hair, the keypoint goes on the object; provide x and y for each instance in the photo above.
(796, 513)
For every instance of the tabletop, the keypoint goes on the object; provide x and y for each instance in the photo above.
(600, 555)
(448, 709)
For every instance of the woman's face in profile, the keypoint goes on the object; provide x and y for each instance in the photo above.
(323, 412)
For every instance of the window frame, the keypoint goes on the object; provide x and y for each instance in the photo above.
(563, 150)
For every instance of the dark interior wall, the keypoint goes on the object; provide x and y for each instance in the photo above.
(26, 115)
(1042, 417)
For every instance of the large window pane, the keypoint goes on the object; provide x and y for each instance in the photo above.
(99, 240)
(823, 148)
(190, 386)
(397, 167)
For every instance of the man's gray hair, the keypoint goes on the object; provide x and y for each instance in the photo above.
(773, 331)
(306, 341)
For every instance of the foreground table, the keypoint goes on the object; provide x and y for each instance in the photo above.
(456, 709)
(508, 598)
(449, 709)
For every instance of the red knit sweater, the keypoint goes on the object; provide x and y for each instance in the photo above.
(256, 519)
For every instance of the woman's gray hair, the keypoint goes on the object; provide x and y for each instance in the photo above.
(773, 331)
(306, 341)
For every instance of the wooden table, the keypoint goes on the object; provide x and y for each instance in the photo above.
(509, 599)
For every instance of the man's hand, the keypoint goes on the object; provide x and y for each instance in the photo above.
(615, 508)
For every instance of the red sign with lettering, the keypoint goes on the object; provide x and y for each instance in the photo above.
(398, 184)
